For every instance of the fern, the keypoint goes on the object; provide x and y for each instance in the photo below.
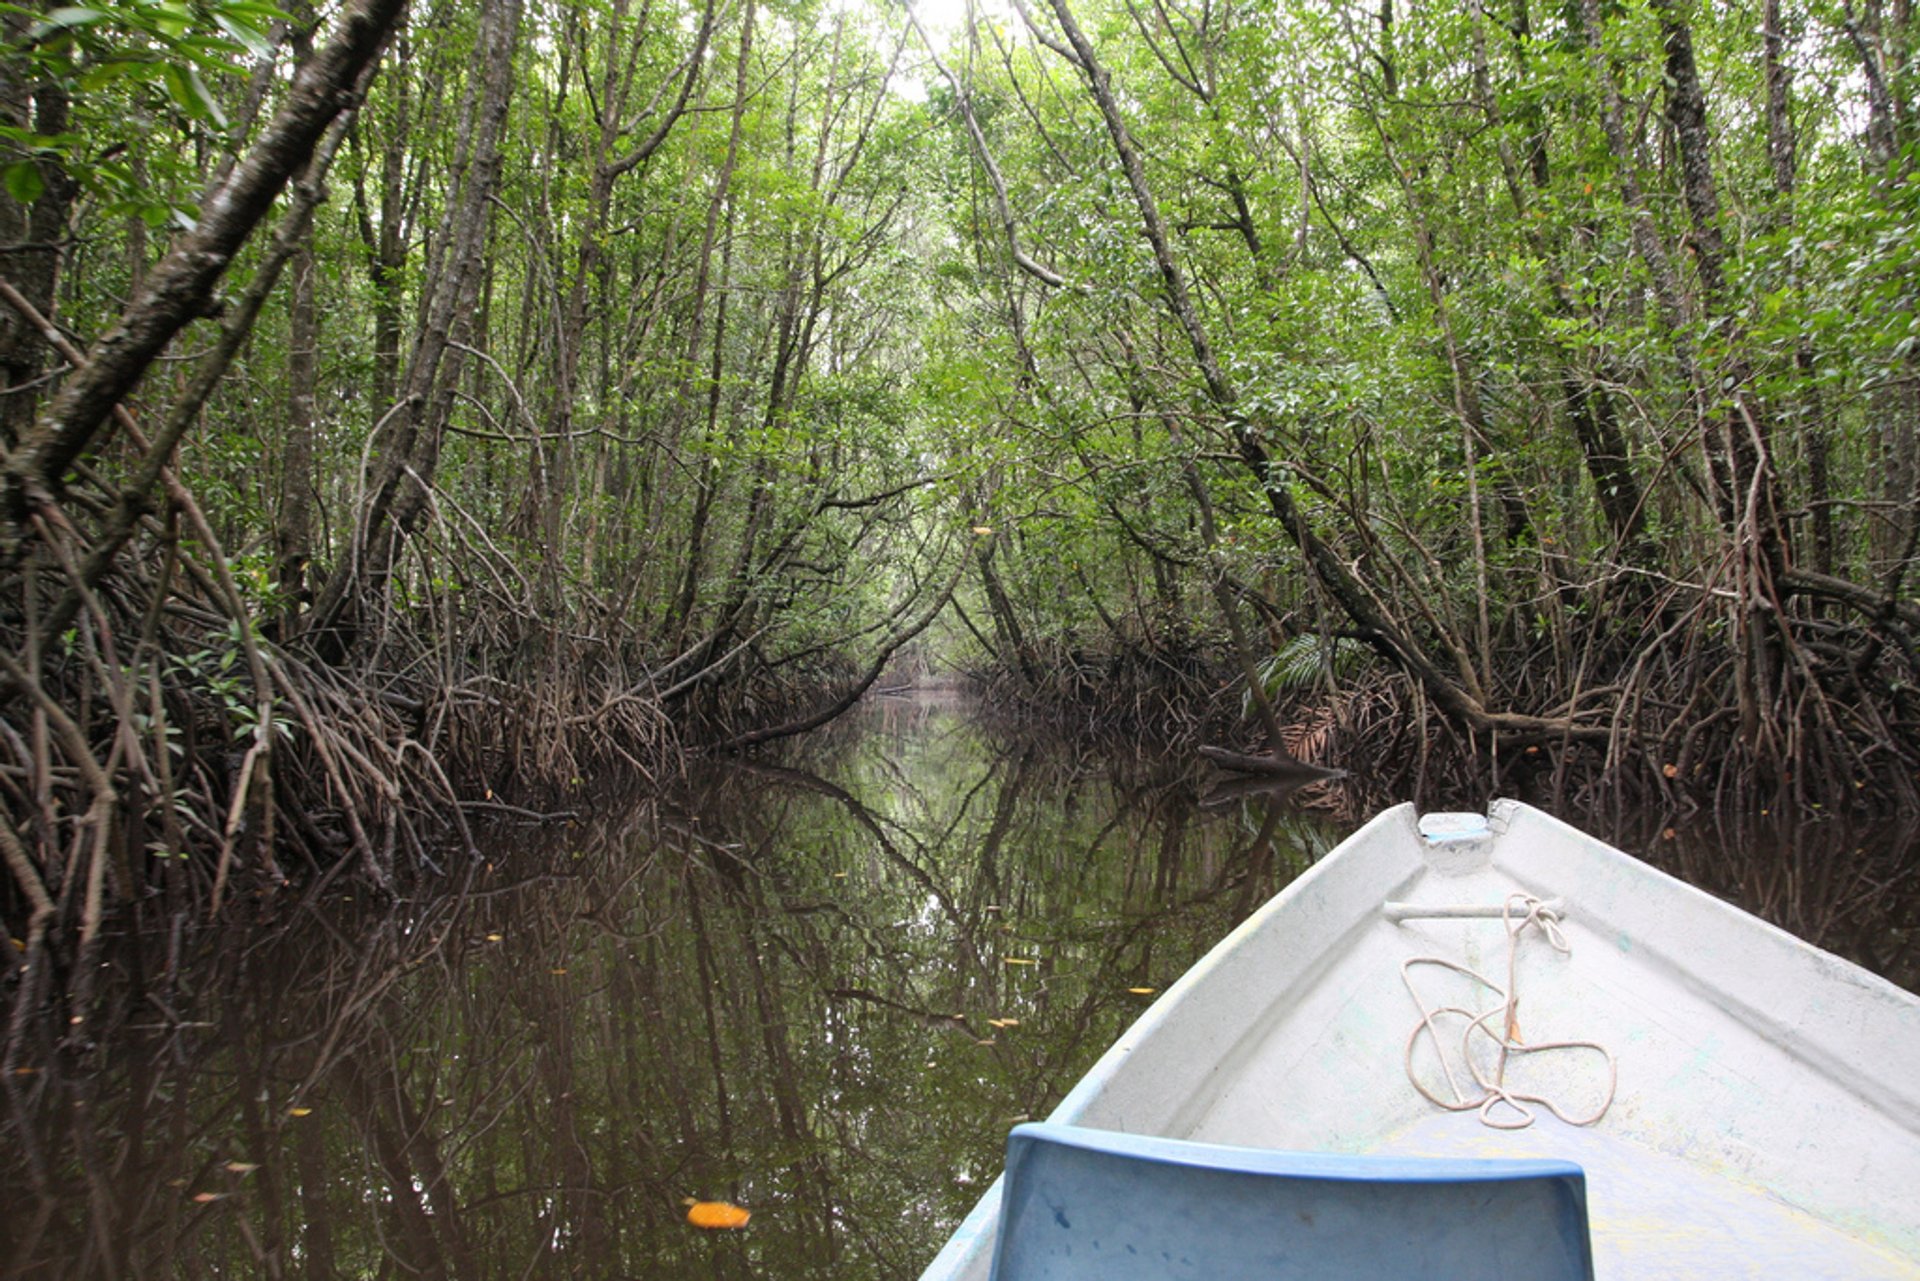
(1305, 659)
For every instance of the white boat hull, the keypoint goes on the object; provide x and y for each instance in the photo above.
(1767, 1115)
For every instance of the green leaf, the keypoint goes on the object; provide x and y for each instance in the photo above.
(259, 14)
(105, 74)
(65, 20)
(191, 95)
(256, 41)
(23, 182)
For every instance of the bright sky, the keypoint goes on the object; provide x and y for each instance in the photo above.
(942, 18)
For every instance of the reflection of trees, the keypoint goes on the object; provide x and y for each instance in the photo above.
(1849, 887)
(777, 988)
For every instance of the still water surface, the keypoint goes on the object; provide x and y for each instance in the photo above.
(821, 989)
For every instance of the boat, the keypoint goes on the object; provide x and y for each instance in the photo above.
(1504, 989)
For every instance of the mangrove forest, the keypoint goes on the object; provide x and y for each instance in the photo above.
(422, 415)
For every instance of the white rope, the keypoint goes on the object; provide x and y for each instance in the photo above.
(1499, 1107)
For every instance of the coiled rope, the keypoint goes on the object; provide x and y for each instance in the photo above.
(1499, 1107)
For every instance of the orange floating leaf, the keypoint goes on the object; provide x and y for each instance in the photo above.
(717, 1216)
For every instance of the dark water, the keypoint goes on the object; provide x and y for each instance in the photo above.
(821, 989)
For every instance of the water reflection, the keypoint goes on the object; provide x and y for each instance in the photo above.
(820, 987)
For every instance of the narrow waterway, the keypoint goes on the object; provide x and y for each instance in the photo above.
(820, 988)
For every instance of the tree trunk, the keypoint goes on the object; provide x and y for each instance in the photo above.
(35, 234)
(412, 449)
(293, 534)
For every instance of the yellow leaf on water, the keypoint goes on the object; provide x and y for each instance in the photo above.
(1020, 960)
(1143, 991)
(717, 1215)
(299, 1111)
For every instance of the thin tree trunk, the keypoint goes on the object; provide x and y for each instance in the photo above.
(411, 450)
(35, 234)
(688, 594)
(293, 534)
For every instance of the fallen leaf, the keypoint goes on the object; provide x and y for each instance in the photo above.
(243, 1167)
(983, 529)
(299, 1111)
(204, 1197)
(1003, 1022)
(19, 945)
(983, 1040)
(495, 938)
(717, 1216)
(1670, 770)
(558, 969)
(1143, 991)
(1021, 960)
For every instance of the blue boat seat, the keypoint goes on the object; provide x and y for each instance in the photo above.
(1079, 1204)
